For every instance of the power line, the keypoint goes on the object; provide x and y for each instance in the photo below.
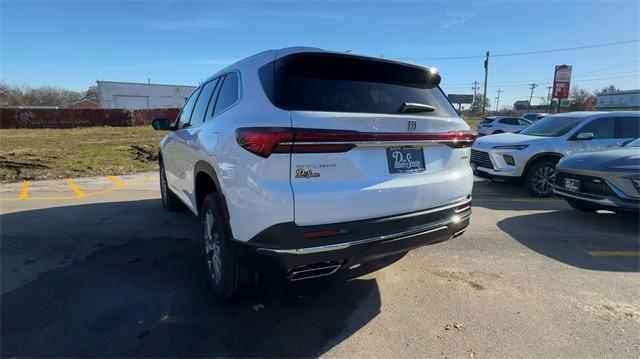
(524, 82)
(575, 79)
(523, 53)
(567, 48)
(611, 67)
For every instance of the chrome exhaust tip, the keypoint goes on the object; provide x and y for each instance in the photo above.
(312, 271)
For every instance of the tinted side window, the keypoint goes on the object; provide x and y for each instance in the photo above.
(214, 97)
(627, 127)
(185, 114)
(601, 128)
(523, 122)
(203, 101)
(505, 121)
(228, 93)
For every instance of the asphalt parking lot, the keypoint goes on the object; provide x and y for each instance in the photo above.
(95, 268)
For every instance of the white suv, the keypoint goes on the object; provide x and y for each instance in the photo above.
(500, 124)
(309, 162)
(531, 155)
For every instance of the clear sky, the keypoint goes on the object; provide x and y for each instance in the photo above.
(73, 44)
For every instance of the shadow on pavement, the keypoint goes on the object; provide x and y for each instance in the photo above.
(568, 236)
(511, 197)
(127, 279)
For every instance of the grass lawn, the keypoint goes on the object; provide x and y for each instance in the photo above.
(77, 152)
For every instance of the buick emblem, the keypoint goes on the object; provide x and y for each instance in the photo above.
(411, 126)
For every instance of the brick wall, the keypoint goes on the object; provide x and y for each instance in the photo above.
(67, 118)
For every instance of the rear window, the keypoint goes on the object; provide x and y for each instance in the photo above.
(487, 120)
(338, 83)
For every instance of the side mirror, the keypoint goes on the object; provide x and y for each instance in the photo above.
(585, 136)
(161, 124)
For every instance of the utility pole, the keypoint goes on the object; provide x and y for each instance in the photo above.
(475, 93)
(498, 99)
(486, 75)
(549, 98)
(531, 86)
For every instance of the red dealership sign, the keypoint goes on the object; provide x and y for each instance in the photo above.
(561, 81)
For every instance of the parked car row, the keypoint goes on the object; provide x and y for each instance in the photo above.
(591, 159)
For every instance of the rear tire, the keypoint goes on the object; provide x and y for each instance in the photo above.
(170, 202)
(582, 205)
(539, 179)
(228, 275)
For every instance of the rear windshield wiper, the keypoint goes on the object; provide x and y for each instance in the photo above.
(411, 107)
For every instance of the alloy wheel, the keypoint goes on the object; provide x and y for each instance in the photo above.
(543, 179)
(213, 251)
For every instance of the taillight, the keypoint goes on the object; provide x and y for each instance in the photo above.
(461, 139)
(264, 141)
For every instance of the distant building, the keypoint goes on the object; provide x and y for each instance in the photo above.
(137, 96)
(84, 104)
(520, 105)
(619, 100)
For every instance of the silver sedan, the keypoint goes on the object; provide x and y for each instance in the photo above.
(608, 179)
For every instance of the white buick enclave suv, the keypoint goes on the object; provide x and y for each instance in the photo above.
(310, 162)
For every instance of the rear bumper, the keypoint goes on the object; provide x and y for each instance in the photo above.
(289, 248)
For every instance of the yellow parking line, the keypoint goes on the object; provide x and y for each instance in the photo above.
(614, 253)
(117, 181)
(84, 195)
(75, 188)
(24, 191)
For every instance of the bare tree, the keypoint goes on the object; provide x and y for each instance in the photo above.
(36, 96)
(584, 99)
(10, 95)
(91, 94)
